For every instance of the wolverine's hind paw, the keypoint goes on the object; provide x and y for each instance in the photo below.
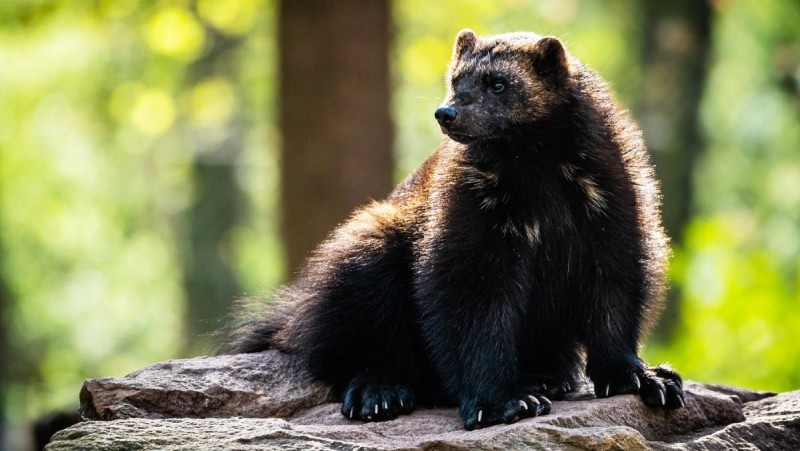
(477, 416)
(377, 400)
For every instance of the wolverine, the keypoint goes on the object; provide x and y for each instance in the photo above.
(525, 252)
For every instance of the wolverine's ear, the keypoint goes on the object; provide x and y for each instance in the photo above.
(465, 42)
(550, 58)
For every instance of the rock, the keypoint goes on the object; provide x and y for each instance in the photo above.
(772, 423)
(249, 385)
(222, 403)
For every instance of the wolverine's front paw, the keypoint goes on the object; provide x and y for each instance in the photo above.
(477, 415)
(660, 386)
(376, 400)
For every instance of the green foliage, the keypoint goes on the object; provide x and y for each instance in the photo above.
(95, 180)
(740, 316)
(739, 271)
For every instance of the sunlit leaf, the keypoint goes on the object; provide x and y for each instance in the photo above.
(174, 31)
(153, 112)
(211, 102)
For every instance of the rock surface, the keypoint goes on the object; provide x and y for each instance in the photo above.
(246, 385)
(223, 403)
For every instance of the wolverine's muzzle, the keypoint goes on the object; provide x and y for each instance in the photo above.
(445, 116)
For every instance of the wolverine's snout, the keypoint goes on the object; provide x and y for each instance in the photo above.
(445, 115)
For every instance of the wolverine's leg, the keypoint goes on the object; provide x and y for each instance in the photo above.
(356, 328)
(550, 364)
(611, 338)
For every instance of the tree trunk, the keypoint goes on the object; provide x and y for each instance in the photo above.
(334, 115)
(209, 280)
(676, 38)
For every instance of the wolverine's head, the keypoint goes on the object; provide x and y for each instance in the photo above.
(497, 83)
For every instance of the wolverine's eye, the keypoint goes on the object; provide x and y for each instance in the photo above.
(498, 86)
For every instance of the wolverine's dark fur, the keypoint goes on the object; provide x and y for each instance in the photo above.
(530, 239)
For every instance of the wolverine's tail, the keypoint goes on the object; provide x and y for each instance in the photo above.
(254, 325)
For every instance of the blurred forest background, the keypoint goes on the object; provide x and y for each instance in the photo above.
(159, 159)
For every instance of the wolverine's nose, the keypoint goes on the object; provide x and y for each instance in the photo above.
(445, 115)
